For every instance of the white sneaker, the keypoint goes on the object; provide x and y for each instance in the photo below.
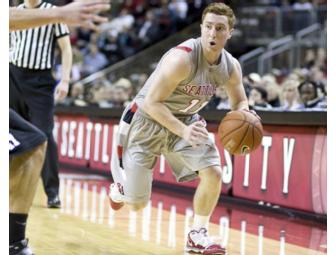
(114, 202)
(199, 242)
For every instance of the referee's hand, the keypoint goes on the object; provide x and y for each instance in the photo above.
(61, 91)
(84, 13)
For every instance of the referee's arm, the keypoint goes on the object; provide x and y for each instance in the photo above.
(28, 18)
(63, 87)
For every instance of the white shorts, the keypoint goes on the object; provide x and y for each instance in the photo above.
(139, 144)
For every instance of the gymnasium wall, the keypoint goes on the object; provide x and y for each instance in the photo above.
(288, 169)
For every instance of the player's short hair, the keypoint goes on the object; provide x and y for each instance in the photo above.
(220, 9)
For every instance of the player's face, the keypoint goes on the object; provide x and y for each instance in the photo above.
(215, 32)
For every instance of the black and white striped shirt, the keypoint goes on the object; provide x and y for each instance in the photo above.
(34, 48)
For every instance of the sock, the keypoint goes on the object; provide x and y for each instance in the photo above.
(17, 227)
(201, 221)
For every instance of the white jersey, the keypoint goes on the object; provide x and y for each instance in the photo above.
(193, 93)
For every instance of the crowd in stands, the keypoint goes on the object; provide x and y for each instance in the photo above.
(300, 89)
(137, 24)
(133, 26)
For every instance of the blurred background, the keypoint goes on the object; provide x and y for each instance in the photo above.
(279, 44)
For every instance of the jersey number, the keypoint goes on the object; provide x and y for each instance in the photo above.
(13, 143)
(195, 105)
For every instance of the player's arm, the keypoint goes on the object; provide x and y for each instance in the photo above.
(235, 89)
(66, 51)
(175, 67)
(79, 13)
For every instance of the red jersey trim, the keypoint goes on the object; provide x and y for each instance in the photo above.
(187, 49)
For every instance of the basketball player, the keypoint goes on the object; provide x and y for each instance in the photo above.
(27, 144)
(163, 119)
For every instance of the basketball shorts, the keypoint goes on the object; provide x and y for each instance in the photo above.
(31, 95)
(23, 136)
(141, 140)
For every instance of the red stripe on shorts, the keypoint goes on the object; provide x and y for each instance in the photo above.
(119, 151)
(134, 107)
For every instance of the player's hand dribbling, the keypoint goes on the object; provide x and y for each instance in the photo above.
(253, 112)
(196, 134)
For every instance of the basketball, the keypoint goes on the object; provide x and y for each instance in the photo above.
(240, 132)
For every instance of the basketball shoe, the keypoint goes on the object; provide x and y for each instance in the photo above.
(114, 193)
(20, 248)
(199, 242)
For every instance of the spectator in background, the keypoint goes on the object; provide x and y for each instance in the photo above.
(76, 96)
(138, 81)
(220, 101)
(116, 25)
(127, 41)
(76, 68)
(303, 5)
(309, 59)
(316, 75)
(136, 7)
(252, 80)
(309, 94)
(269, 83)
(167, 20)
(120, 97)
(180, 8)
(83, 37)
(94, 61)
(303, 14)
(149, 30)
(258, 99)
(321, 59)
(127, 86)
(290, 98)
(110, 47)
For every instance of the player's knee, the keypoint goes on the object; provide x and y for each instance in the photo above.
(212, 175)
(137, 206)
(39, 155)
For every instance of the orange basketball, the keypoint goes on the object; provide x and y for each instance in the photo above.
(240, 132)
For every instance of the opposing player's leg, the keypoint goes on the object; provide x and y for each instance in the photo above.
(24, 174)
(25, 170)
(27, 146)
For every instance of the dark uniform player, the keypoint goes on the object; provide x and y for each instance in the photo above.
(23, 136)
(31, 61)
(27, 145)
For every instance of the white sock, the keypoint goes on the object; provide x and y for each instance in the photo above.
(201, 221)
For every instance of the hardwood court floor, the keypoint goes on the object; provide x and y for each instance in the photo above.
(86, 226)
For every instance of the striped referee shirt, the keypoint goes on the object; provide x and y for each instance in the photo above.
(34, 48)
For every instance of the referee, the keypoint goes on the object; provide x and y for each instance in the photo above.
(30, 74)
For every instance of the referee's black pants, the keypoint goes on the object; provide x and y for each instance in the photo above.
(31, 94)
